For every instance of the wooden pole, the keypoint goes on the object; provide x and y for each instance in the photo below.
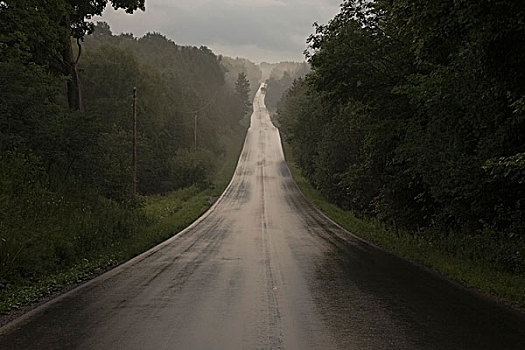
(195, 133)
(134, 155)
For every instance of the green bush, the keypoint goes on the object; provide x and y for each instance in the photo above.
(192, 168)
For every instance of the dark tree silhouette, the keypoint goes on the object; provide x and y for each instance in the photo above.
(242, 87)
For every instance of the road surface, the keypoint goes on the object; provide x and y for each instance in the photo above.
(263, 269)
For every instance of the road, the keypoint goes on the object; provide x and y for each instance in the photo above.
(263, 269)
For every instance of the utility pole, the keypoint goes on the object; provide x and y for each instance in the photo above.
(195, 132)
(134, 155)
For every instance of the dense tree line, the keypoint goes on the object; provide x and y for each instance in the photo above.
(65, 168)
(175, 85)
(236, 66)
(414, 113)
(281, 78)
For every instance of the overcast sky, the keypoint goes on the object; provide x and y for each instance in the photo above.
(261, 30)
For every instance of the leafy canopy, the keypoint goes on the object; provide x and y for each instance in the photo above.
(81, 11)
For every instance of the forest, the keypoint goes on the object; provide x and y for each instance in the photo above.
(66, 177)
(414, 116)
(281, 77)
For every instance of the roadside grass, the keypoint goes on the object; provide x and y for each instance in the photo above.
(479, 275)
(162, 217)
(172, 212)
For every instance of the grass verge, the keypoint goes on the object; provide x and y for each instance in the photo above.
(504, 286)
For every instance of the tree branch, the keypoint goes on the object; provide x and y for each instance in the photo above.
(79, 51)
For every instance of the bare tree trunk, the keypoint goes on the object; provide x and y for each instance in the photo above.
(74, 95)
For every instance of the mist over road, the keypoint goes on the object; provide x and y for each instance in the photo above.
(263, 269)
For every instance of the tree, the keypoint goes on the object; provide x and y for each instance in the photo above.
(282, 77)
(76, 20)
(242, 87)
(423, 115)
(28, 50)
(234, 66)
(65, 176)
(30, 31)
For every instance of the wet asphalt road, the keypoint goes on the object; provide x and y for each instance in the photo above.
(265, 270)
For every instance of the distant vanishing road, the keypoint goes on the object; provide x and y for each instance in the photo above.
(263, 269)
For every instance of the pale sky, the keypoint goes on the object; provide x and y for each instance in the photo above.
(260, 30)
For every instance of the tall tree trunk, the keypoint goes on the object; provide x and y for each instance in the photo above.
(74, 95)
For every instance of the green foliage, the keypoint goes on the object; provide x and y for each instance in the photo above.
(193, 168)
(66, 205)
(413, 114)
(162, 216)
(234, 66)
(31, 32)
(75, 225)
(173, 84)
(46, 28)
(242, 88)
(301, 117)
(282, 76)
(474, 260)
(81, 11)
